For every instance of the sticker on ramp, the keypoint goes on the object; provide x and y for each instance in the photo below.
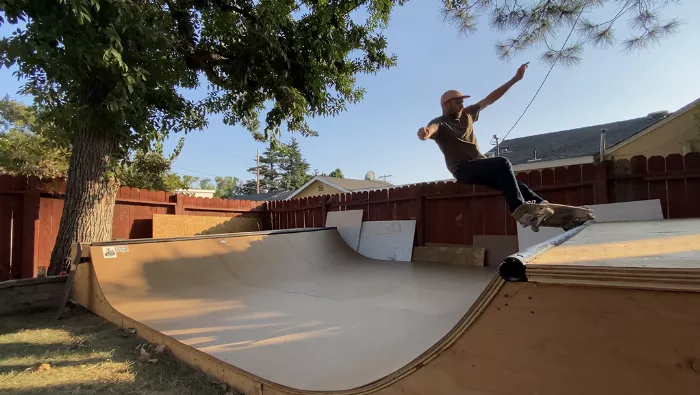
(109, 252)
(122, 249)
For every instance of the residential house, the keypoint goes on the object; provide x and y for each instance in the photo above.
(324, 185)
(265, 196)
(659, 133)
(205, 193)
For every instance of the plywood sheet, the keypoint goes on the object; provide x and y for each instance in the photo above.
(470, 256)
(168, 225)
(387, 240)
(646, 244)
(349, 224)
(497, 247)
(643, 210)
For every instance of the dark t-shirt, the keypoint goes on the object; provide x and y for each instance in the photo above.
(456, 138)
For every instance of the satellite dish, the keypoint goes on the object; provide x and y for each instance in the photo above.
(369, 176)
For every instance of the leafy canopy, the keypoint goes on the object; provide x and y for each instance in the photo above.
(120, 66)
(538, 23)
(27, 147)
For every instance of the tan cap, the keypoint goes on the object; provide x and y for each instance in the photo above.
(452, 94)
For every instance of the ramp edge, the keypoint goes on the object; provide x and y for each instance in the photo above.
(514, 267)
(206, 237)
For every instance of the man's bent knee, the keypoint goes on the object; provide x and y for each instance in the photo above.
(502, 163)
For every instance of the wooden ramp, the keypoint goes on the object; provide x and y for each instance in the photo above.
(299, 312)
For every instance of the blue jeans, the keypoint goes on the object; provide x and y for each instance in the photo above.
(496, 173)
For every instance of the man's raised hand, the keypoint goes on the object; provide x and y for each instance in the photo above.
(521, 72)
(424, 133)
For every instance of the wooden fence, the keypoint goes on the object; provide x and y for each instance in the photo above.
(449, 212)
(30, 212)
(445, 212)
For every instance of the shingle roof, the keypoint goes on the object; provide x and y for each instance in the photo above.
(574, 143)
(267, 196)
(352, 184)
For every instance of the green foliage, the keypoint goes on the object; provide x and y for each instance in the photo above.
(150, 169)
(227, 187)
(337, 173)
(25, 148)
(270, 167)
(293, 166)
(206, 183)
(539, 23)
(250, 187)
(115, 66)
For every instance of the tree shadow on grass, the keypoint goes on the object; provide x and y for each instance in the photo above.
(87, 355)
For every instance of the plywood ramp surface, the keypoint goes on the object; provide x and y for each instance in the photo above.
(299, 309)
(661, 244)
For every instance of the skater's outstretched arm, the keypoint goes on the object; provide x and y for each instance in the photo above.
(498, 93)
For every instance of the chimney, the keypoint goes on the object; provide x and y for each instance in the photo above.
(602, 144)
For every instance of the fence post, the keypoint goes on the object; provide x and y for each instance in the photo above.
(601, 183)
(179, 204)
(30, 229)
(420, 221)
(324, 210)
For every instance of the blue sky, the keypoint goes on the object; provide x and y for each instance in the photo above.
(379, 133)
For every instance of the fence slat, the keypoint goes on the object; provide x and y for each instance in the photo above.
(657, 189)
(679, 202)
(692, 162)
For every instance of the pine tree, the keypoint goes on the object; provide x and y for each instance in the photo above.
(337, 173)
(295, 169)
(270, 162)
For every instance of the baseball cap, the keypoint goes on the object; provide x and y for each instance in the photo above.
(452, 94)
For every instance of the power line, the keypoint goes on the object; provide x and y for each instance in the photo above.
(545, 77)
(195, 171)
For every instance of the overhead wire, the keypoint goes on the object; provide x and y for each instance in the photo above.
(546, 76)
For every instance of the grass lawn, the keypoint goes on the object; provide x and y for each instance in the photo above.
(85, 354)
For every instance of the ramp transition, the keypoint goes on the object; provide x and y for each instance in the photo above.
(299, 312)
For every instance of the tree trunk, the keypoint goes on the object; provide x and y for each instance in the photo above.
(88, 207)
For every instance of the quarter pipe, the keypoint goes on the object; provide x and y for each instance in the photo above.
(608, 309)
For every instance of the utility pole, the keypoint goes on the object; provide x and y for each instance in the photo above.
(496, 141)
(257, 170)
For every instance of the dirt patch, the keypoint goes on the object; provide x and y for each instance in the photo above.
(85, 354)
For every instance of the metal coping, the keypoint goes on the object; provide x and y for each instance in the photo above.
(205, 237)
(514, 267)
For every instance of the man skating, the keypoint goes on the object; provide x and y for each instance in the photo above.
(454, 134)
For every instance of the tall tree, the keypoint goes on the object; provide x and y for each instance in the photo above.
(337, 173)
(294, 167)
(250, 187)
(109, 72)
(27, 147)
(149, 168)
(270, 167)
(538, 23)
(227, 187)
(205, 183)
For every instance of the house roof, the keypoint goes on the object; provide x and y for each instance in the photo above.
(352, 185)
(267, 196)
(574, 143)
(343, 184)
